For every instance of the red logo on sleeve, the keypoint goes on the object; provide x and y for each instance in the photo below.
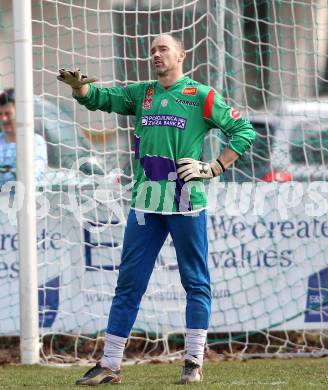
(190, 91)
(234, 113)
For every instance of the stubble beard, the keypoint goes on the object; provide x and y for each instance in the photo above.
(161, 72)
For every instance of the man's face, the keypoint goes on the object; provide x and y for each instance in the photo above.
(7, 118)
(166, 56)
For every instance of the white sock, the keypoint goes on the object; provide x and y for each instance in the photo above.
(195, 343)
(113, 351)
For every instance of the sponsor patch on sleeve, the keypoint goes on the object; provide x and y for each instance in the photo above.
(235, 114)
(190, 91)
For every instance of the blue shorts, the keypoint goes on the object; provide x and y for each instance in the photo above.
(141, 246)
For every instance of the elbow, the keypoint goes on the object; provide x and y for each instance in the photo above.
(253, 136)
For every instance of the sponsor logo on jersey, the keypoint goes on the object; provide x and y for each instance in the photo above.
(164, 102)
(147, 103)
(150, 92)
(235, 114)
(187, 102)
(190, 91)
(164, 120)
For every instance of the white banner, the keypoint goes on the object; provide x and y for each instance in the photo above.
(268, 264)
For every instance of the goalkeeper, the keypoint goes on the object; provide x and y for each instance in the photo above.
(173, 115)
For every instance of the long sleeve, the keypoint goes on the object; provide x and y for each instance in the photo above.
(117, 99)
(239, 131)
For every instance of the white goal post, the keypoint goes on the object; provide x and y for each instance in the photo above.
(28, 280)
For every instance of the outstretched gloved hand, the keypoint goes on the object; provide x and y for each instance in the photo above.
(74, 78)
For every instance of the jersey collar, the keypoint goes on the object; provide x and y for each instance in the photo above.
(173, 86)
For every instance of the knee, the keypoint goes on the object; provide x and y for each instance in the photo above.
(201, 293)
(130, 291)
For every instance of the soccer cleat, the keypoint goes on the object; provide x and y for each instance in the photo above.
(191, 373)
(98, 375)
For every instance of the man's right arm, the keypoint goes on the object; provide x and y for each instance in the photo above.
(116, 99)
(81, 92)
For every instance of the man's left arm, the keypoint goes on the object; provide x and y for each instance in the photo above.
(239, 131)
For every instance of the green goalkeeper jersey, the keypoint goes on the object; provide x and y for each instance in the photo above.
(171, 123)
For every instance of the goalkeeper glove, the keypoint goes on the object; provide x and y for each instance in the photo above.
(75, 79)
(190, 169)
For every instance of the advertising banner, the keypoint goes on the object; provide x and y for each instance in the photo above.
(268, 262)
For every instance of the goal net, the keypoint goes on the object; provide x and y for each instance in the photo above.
(267, 223)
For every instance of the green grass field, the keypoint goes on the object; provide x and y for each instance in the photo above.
(255, 374)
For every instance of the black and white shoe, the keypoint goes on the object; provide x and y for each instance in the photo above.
(98, 375)
(191, 373)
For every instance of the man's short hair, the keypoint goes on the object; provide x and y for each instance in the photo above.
(178, 41)
(7, 96)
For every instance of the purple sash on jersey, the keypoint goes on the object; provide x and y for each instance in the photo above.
(158, 168)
